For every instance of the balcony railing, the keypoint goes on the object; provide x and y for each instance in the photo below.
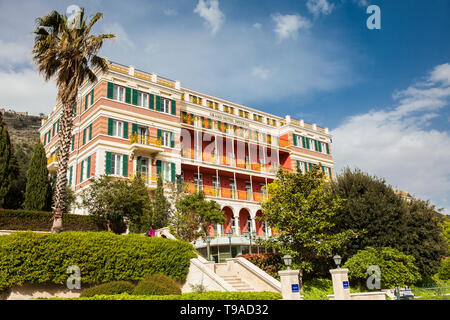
(227, 193)
(145, 177)
(145, 140)
(53, 158)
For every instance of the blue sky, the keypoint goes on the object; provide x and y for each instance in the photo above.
(384, 94)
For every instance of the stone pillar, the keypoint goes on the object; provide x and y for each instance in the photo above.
(339, 277)
(289, 278)
(237, 226)
(253, 224)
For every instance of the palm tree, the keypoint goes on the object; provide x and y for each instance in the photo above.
(68, 53)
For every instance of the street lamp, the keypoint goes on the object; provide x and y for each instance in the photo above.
(230, 235)
(337, 259)
(249, 235)
(287, 261)
(208, 240)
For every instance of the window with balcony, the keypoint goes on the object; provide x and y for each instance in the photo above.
(198, 181)
(142, 166)
(233, 188)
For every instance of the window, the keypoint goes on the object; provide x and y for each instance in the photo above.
(198, 180)
(216, 183)
(166, 171)
(142, 165)
(143, 132)
(165, 105)
(117, 128)
(84, 172)
(142, 99)
(228, 109)
(116, 164)
(119, 93)
(232, 188)
(165, 139)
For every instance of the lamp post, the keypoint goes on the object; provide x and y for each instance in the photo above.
(230, 235)
(287, 261)
(337, 260)
(248, 235)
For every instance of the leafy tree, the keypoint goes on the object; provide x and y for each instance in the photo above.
(8, 164)
(141, 223)
(113, 202)
(160, 207)
(446, 233)
(15, 197)
(384, 219)
(38, 190)
(196, 216)
(67, 52)
(444, 269)
(396, 267)
(302, 210)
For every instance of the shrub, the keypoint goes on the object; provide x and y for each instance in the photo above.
(211, 295)
(444, 269)
(115, 287)
(396, 267)
(269, 262)
(157, 284)
(42, 221)
(27, 257)
(317, 289)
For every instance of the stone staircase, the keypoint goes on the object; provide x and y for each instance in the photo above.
(238, 283)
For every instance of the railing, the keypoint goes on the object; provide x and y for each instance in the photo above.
(145, 140)
(227, 193)
(53, 158)
(145, 177)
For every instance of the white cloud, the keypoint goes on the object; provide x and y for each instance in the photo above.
(12, 53)
(287, 26)
(122, 39)
(261, 72)
(25, 90)
(170, 12)
(361, 3)
(318, 7)
(257, 26)
(399, 145)
(210, 11)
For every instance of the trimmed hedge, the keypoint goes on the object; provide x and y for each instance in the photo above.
(27, 257)
(109, 288)
(42, 221)
(157, 284)
(211, 295)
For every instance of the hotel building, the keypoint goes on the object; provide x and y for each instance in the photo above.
(132, 121)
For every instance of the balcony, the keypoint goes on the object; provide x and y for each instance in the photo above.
(52, 162)
(150, 182)
(144, 145)
(227, 193)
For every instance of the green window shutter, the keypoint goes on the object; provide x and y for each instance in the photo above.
(307, 142)
(92, 96)
(85, 102)
(172, 140)
(135, 97)
(134, 128)
(320, 146)
(125, 130)
(151, 101)
(172, 165)
(88, 172)
(90, 132)
(81, 171)
(110, 126)
(306, 166)
(329, 172)
(159, 133)
(158, 103)
(138, 163)
(53, 129)
(110, 92)
(84, 136)
(57, 126)
(158, 167)
(75, 110)
(294, 136)
(108, 162)
(128, 95)
(303, 142)
(173, 107)
(298, 165)
(328, 148)
(125, 166)
(70, 175)
(73, 142)
(310, 166)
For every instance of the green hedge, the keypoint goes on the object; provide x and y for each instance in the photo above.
(115, 287)
(27, 257)
(42, 221)
(211, 295)
(157, 284)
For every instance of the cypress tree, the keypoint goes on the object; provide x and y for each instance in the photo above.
(160, 206)
(38, 189)
(6, 159)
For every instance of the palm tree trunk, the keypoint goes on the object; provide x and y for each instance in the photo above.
(65, 135)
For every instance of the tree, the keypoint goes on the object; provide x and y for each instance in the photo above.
(8, 164)
(384, 219)
(68, 53)
(160, 207)
(141, 222)
(38, 192)
(196, 216)
(302, 209)
(114, 202)
(396, 267)
(15, 198)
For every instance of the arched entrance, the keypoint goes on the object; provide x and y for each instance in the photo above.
(244, 221)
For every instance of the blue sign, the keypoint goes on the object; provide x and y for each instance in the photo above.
(345, 283)
(295, 288)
